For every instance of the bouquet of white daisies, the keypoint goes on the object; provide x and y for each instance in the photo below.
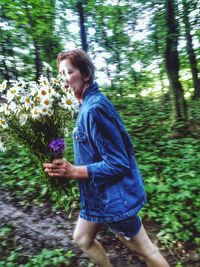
(37, 115)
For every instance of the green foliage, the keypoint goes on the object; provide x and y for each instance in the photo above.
(28, 38)
(169, 167)
(8, 254)
(37, 133)
(4, 231)
(21, 172)
(55, 257)
(168, 164)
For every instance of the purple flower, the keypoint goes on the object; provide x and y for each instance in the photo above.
(57, 146)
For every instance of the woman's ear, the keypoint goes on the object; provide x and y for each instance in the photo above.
(86, 78)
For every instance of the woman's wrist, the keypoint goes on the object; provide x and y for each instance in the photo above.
(79, 173)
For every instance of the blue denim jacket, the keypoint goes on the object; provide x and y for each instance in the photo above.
(115, 189)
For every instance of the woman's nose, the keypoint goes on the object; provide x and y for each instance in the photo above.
(66, 81)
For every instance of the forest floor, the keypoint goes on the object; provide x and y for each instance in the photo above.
(40, 226)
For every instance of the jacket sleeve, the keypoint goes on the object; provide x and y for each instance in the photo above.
(107, 139)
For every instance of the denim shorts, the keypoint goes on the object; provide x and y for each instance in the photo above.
(128, 227)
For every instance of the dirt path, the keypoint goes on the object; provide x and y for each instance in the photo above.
(37, 227)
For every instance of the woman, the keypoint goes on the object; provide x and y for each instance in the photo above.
(110, 183)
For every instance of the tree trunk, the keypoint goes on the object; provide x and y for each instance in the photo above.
(37, 60)
(135, 80)
(157, 50)
(190, 51)
(82, 26)
(38, 64)
(172, 63)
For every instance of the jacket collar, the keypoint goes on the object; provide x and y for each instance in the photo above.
(91, 90)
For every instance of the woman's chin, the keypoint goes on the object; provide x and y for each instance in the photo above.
(78, 94)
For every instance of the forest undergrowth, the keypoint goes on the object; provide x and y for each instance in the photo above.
(168, 163)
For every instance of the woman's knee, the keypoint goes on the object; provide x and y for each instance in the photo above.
(83, 241)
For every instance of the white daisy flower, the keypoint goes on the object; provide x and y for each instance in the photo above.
(33, 88)
(43, 91)
(52, 92)
(4, 109)
(37, 100)
(56, 81)
(13, 107)
(43, 81)
(46, 102)
(35, 112)
(44, 111)
(3, 123)
(69, 102)
(22, 119)
(27, 102)
(12, 93)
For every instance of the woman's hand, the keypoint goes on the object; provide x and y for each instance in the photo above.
(60, 168)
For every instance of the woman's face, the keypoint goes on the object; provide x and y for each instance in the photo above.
(73, 78)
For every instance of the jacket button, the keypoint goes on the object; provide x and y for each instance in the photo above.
(76, 137)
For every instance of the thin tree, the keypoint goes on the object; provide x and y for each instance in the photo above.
(83, 35)
(37, 58)
(172, 63)
(190, 50)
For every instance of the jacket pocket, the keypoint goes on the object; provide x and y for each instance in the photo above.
(79, 136)
(113, 197)
(82, 153)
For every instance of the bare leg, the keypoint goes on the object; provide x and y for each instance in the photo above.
(142, 244)
(84, 236)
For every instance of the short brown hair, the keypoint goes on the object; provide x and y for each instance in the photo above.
(80, 60)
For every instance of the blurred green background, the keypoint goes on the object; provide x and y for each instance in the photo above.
(147, 57)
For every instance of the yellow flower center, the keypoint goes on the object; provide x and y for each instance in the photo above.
(44, 110)
(37, 98)
(46, 102)
(27, 100)
(68, 102)
(43, 92)
(1, 122)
